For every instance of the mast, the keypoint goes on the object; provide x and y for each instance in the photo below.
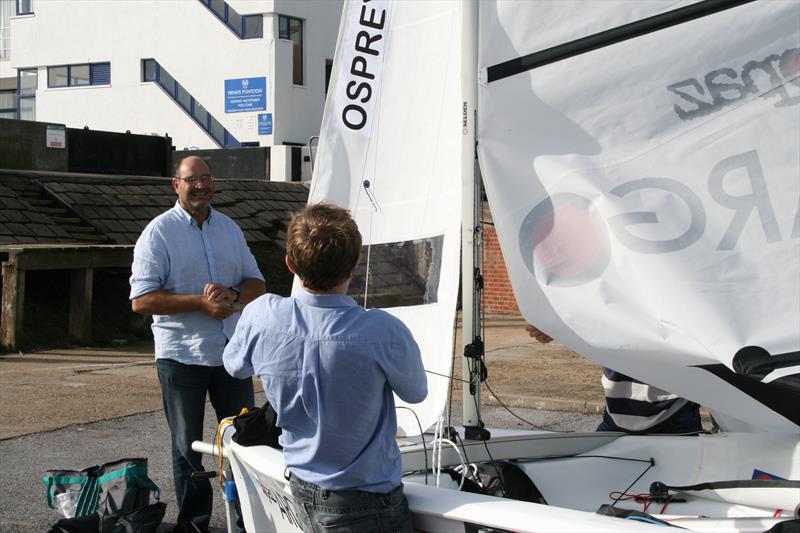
(472, 365)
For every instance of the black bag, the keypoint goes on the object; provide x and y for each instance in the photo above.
(145, 520)
(257, 427)
(95, 498)
(503, 479)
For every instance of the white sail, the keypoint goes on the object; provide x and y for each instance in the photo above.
(646, 193)
(400, 134)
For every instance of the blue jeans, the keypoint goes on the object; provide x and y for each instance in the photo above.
(350, 511)
(184, 388)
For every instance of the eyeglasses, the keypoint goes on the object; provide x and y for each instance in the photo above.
(194, 179)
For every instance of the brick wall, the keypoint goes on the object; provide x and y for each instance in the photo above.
(497, 294)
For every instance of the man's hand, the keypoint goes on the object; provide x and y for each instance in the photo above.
(214, 292)
(217, 309)
(537, 334)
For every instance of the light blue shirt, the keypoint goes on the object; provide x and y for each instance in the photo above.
(175, 255)
(329, 368)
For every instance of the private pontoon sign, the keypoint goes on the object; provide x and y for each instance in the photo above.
(245, 94)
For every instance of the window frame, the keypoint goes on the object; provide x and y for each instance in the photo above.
(24, 97)
(287, 36)
(13, 108)
(90, 79)
(227, 15)
(196, 111)
(30, 4)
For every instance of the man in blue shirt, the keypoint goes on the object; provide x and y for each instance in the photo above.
(192, 270)
(330, 369)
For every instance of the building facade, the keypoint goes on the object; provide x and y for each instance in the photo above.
(210, 73)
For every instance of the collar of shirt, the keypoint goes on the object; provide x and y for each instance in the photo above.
(324, 300)
(184, 214)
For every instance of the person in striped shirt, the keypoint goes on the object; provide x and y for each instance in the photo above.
(638, 408)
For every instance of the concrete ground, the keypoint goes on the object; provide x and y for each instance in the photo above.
(73, 408)
(58, 388)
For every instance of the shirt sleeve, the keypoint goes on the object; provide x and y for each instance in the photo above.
(150, 264)
(238, 354)
(403, 367)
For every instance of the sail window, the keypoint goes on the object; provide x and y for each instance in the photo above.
(401, 273)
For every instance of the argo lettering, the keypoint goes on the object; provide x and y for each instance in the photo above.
(566, 267)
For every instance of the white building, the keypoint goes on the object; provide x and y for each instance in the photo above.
(210, 73)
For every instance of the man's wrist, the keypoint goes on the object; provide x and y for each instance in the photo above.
(236, 300)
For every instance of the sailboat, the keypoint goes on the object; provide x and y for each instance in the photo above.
(640, 160)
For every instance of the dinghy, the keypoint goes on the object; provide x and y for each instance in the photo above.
(641, 164)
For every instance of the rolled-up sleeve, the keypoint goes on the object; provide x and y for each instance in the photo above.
(150, 264)
(238, 355)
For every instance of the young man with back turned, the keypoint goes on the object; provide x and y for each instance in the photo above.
(330, 369)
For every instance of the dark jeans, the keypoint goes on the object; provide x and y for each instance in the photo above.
(350, 511)
(184, 388)
(685, 421)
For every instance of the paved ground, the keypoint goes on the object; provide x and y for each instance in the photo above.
(73, 408)
(59, 388)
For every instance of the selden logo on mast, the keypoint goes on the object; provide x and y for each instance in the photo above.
(361, 64)
(245, 94)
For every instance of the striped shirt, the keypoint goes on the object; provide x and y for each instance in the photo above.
(638, 407)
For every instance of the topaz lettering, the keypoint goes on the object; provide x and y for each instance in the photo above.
(771, 78)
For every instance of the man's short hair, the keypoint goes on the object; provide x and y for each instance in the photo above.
(324, 245)
(177, 166)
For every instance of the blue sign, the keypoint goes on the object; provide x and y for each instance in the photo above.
(265, 123)
(245, 94)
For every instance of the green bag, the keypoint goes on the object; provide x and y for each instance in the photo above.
(111, 489)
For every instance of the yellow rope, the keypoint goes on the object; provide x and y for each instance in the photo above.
(218, 440)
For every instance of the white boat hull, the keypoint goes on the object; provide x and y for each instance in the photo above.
(576, 473)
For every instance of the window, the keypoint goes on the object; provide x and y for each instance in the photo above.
(79, 75)
(58, 76)
(200, 114)
(100, 74)
(152, 71)
(6, 9)
(292, 29)
(244, 26)
(184, 98)
(24, 7)
(148, 70)
(328, 70)
(253, 27)
(8, 104)
(166, 81)
(27, 83)
(218, 7)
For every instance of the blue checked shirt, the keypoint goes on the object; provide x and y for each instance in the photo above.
(175, 255)
(329, 369)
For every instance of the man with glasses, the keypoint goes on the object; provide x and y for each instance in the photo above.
(193, 271)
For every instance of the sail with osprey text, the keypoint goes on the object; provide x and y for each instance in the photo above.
(642, 165)
(389, 151)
